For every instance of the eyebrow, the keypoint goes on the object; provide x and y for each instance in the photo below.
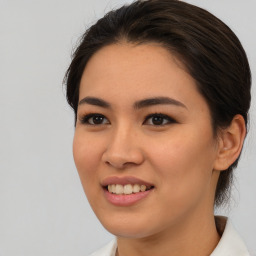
(137, 105)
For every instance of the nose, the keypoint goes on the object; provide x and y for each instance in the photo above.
(123, 149)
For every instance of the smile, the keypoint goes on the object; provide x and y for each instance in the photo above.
(127, 189)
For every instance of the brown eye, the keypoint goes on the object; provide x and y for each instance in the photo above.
(159, 119)
(94, 119)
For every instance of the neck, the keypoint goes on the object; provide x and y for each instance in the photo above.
(191, 237)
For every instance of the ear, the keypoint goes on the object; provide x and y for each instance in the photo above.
(230, 143)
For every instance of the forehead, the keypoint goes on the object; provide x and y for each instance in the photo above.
(129, 72)
(133, 60)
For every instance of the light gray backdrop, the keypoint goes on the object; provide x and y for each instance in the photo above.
(43, 209)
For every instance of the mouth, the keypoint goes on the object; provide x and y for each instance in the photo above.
(127, 189)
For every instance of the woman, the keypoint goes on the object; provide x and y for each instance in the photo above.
(161, 92)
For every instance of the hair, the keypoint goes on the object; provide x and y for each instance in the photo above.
(209, 50)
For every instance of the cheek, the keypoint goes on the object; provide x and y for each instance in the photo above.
(184, 164)
(86, 156)
(181, 149)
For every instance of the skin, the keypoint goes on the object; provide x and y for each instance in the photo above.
(181, 158)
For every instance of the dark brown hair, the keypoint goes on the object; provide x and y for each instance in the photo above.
(210, 51)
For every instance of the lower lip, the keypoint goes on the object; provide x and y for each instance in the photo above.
(126, 200)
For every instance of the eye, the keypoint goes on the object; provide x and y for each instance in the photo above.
(94, 119)
(159, 119)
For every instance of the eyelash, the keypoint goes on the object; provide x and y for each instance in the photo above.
(85, 119)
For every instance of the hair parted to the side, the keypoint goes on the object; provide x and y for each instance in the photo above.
(210, 51)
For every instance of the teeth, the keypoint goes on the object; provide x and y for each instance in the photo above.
(119, 189)
(113, 188)
(136, 188)
(126, 189)
(143, 188)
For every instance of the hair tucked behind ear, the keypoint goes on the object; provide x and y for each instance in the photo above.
(209, 50)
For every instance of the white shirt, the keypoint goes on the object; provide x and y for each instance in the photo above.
(230, 243)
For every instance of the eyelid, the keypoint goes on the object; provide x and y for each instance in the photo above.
(84, 119)
(164, 116)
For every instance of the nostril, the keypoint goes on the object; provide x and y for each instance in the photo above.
(122, 157)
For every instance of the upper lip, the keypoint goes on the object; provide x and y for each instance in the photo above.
(124, 180)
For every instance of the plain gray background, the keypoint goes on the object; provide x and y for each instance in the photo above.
(43, 207)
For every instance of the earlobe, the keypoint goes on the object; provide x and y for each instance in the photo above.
(231, 141)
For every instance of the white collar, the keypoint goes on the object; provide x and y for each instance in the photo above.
(230, 243)
(107, 250)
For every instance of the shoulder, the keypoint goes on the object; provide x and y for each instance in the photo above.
(108, 250)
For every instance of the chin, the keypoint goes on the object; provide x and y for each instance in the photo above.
(130, 227)
(124, 227)
(131, 232)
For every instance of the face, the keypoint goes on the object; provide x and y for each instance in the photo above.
(141, 121)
